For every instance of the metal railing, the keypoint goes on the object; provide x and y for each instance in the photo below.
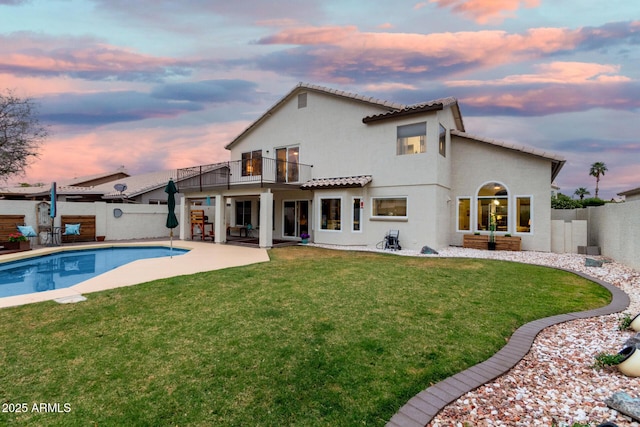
(256, 171)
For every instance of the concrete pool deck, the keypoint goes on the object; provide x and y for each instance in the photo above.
(203, 256)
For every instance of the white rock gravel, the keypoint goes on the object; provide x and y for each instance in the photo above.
(555, 384)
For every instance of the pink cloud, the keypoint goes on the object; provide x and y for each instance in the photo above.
(154, 149)
(495, 46)
(556, 73)
(486, 11)
(31, 54)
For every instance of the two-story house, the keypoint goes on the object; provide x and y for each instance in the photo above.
(346, 169)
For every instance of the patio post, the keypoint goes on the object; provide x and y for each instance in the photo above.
(220, 222)
(266, 219)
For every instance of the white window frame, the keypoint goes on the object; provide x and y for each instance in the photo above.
(328, 230)
(390, 217)
(353, 209)
(516, 213)
(470, 199)
(401, 148)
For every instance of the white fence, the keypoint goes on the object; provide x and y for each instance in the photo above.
(614, 227)
(136, 221)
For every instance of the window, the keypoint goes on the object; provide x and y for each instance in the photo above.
(389, 207)
(493, 207)
(287, 164)
(243, 212)
(523, 214)
(412, 139)
(442, 144)
(330, 214)
(302, 100)
(357, 214)
(464, 214)
(252, 163)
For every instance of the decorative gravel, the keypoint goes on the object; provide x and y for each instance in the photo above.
(555, 384)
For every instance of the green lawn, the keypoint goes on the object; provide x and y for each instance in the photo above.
(312, 338)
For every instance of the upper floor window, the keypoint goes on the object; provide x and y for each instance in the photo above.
(412, 139)
(252, 163)
(442, 142)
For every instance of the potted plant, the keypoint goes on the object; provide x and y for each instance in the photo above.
(492, 233)
(17, 241)
(305, 238)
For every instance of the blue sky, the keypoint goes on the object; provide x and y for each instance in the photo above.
(155, 85)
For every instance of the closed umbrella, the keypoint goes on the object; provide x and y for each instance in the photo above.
(172, 220)
(52, 213)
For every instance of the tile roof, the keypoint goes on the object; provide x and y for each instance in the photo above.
(437, 104)
(341, 182)
(631, 192)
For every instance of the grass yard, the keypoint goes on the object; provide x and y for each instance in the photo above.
(313, 338)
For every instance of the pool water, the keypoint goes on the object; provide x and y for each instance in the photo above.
(68, 268)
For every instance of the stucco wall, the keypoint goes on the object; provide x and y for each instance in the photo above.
(614, 227)
(136, 222)
(476, 163)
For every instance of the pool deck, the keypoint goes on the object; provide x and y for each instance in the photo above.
(203, 256)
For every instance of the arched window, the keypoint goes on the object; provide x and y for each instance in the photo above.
(493, 207)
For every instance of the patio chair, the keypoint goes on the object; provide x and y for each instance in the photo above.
(72, 230)
(28, 232)
(250, 230)
(392, 240)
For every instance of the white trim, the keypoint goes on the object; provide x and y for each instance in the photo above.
(531, 216)
(389, 218)
(324, 230)
(458, 230)
(361, 209)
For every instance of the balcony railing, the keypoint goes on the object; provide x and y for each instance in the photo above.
(256, 171)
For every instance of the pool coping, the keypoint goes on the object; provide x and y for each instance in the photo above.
(424, 406)
(202, 256)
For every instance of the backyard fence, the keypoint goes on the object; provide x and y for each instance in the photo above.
(115, 221)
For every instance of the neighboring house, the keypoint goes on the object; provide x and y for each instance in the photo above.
(631, 195)
(117, 186)
(346, 169)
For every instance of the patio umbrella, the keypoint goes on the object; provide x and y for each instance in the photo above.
(172, 220)
(52, 209)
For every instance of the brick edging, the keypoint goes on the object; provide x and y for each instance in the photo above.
(424, 406)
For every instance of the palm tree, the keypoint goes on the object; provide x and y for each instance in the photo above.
(581, 192)
(597, 169)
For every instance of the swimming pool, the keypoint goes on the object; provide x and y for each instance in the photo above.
(68, 268)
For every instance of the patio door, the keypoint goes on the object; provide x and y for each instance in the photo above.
(287, 167)
(295, 218)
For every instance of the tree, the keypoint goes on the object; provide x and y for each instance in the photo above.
(597, 169)
(581, 192)
(20, 134)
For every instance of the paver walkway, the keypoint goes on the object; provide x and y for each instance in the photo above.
(423, 407)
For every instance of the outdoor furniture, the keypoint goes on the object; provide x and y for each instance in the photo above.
(239, 229)
(199, 224)
(28, 232)
(72, 230)
(87, 228)
(392, 240)
(249, 231)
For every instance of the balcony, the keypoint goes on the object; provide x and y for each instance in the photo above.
(262, 171)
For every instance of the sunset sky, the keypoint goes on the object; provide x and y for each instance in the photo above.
(158, 84)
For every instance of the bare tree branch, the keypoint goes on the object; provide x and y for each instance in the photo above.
(20, 134)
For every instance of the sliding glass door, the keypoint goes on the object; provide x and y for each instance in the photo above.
(295, 218)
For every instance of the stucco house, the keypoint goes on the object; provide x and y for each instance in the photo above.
(346, 169)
